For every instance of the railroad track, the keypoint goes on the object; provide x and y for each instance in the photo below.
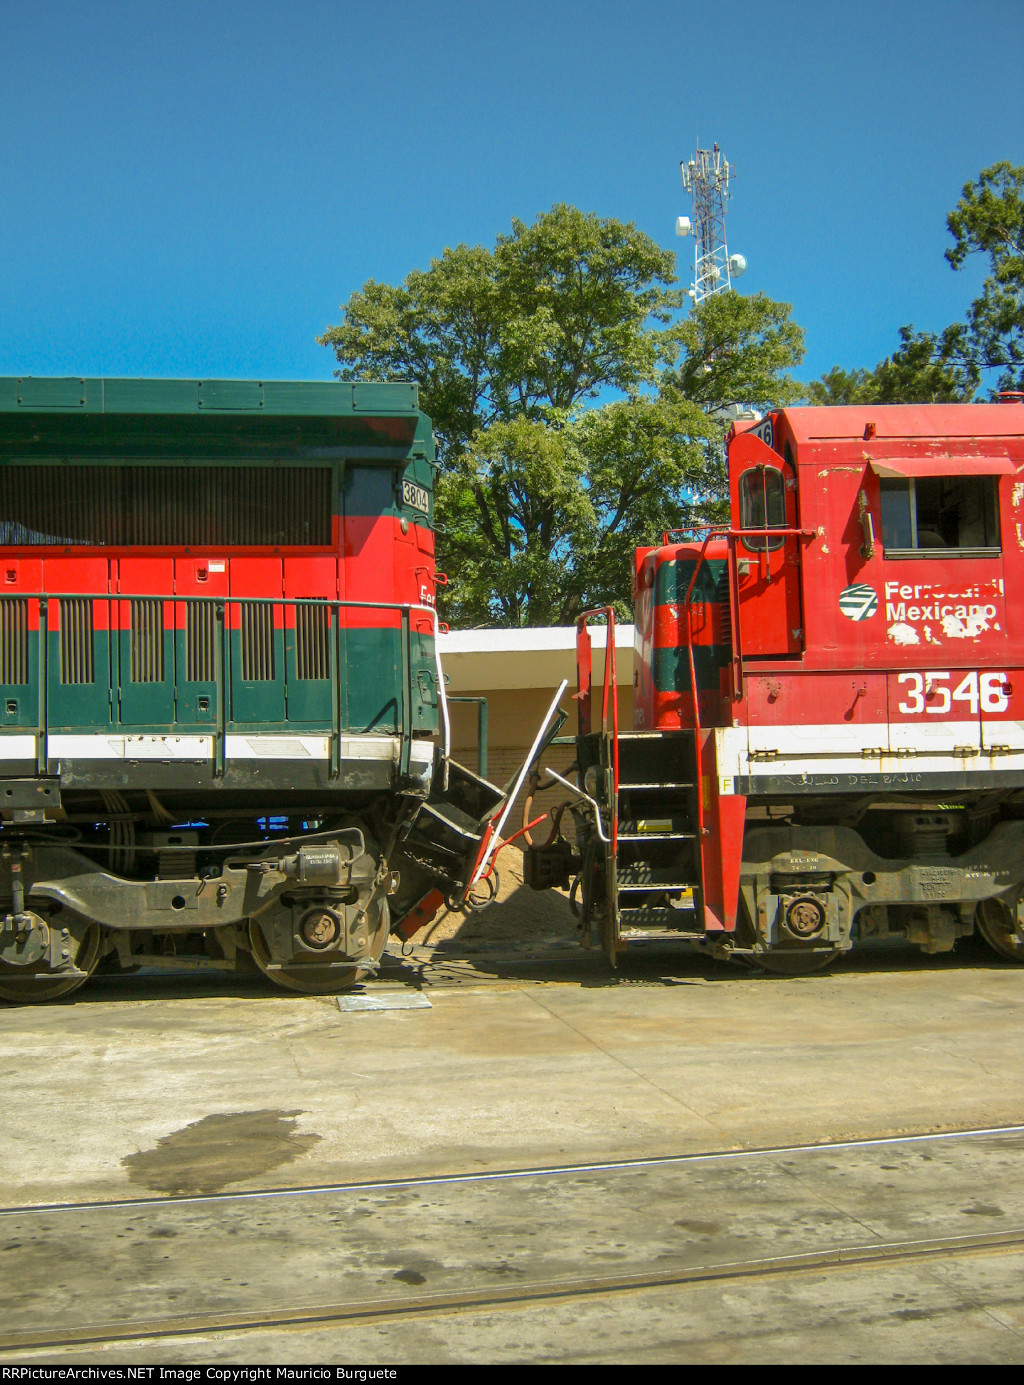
(504, 1175)
(324, 1315)
(848, 1253)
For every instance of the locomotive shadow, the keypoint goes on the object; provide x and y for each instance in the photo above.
(456, 962)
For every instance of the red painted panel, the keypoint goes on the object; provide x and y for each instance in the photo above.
(708, 624)
(306, 578)
(141, 576)
(199, 576)
(255, 577)
(721, 846)
(19, 574)
(369, 570)
(77, 574)
(795, 698)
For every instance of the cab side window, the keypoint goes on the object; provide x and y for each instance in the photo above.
(947, 514)
(762, 494)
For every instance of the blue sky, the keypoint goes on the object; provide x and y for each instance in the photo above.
(193, 189)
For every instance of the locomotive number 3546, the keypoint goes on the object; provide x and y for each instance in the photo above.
(933, 693)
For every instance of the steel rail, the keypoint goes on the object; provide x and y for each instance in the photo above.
(836, 1258)
(653, 1161)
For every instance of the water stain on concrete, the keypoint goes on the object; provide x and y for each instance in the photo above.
(212, 1153)
(410, 1277)
(983, 1209)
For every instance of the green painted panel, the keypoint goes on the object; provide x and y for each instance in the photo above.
(151, 702)
(37, 392)
(258, 700)
(230, 394)
(310, 698)
(19, 702)
(405, 492)
(674, 578)
(385, 398)
(672, 667)
(308, 399)
(373, 664)
(79, 705)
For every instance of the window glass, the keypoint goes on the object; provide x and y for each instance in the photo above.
(762, 505)
(939, 514)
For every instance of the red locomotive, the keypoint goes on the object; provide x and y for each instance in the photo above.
(828, 738)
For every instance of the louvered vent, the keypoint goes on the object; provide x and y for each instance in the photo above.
(76, 640)
(257, 644)
(200, 646)
(312, 648)
(13, 640)
(147, 641)
(166, 506)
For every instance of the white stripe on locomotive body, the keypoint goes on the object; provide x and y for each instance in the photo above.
(236, 747)
(14, 748)
(880, 748)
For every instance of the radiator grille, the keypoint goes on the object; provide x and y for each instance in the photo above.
(76, 640)
(168, 506)
(200, 642)
(147, 641)
(13, 640)
(257, 644)
(312, 641)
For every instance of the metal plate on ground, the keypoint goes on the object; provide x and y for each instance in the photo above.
(389, 1000)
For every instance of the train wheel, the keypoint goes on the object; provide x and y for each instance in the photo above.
(27, 988)
(310, 979)
(783, 963)
(1001, 929)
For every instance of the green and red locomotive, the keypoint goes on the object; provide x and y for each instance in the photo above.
(224, 730)
(828, 730)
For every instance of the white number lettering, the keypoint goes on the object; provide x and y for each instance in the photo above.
(968, 692)
(927, 692)
(916, 706)
(934, 685)
(993, 692)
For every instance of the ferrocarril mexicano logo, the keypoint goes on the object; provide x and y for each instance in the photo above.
(858, 602)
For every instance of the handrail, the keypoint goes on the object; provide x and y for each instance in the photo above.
(736, 656)
(609, 669)
(221, 603)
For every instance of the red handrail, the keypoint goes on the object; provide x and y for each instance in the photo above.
(736, 658)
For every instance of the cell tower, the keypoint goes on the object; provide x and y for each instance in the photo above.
(714, 269)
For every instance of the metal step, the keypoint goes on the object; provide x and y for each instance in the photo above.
(655, 923)
(653, 788)
(657, 836)
(652, 886)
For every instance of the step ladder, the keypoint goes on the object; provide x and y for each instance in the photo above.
(649, 834)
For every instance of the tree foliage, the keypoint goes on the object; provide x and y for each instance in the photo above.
(989, 220)
(556, 313)
(919, 372)
(950, 366)
(541, 522)
(738, 349)
(542, 499)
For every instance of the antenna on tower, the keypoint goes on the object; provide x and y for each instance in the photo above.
(706, 177)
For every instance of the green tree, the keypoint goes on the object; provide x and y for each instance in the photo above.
(950, 366)
(541, 522)
(989, 220)
(738, 349)
(558, 312)
(921, 371)
(542, 499)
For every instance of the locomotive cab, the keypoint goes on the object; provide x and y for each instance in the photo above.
(840, 674)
